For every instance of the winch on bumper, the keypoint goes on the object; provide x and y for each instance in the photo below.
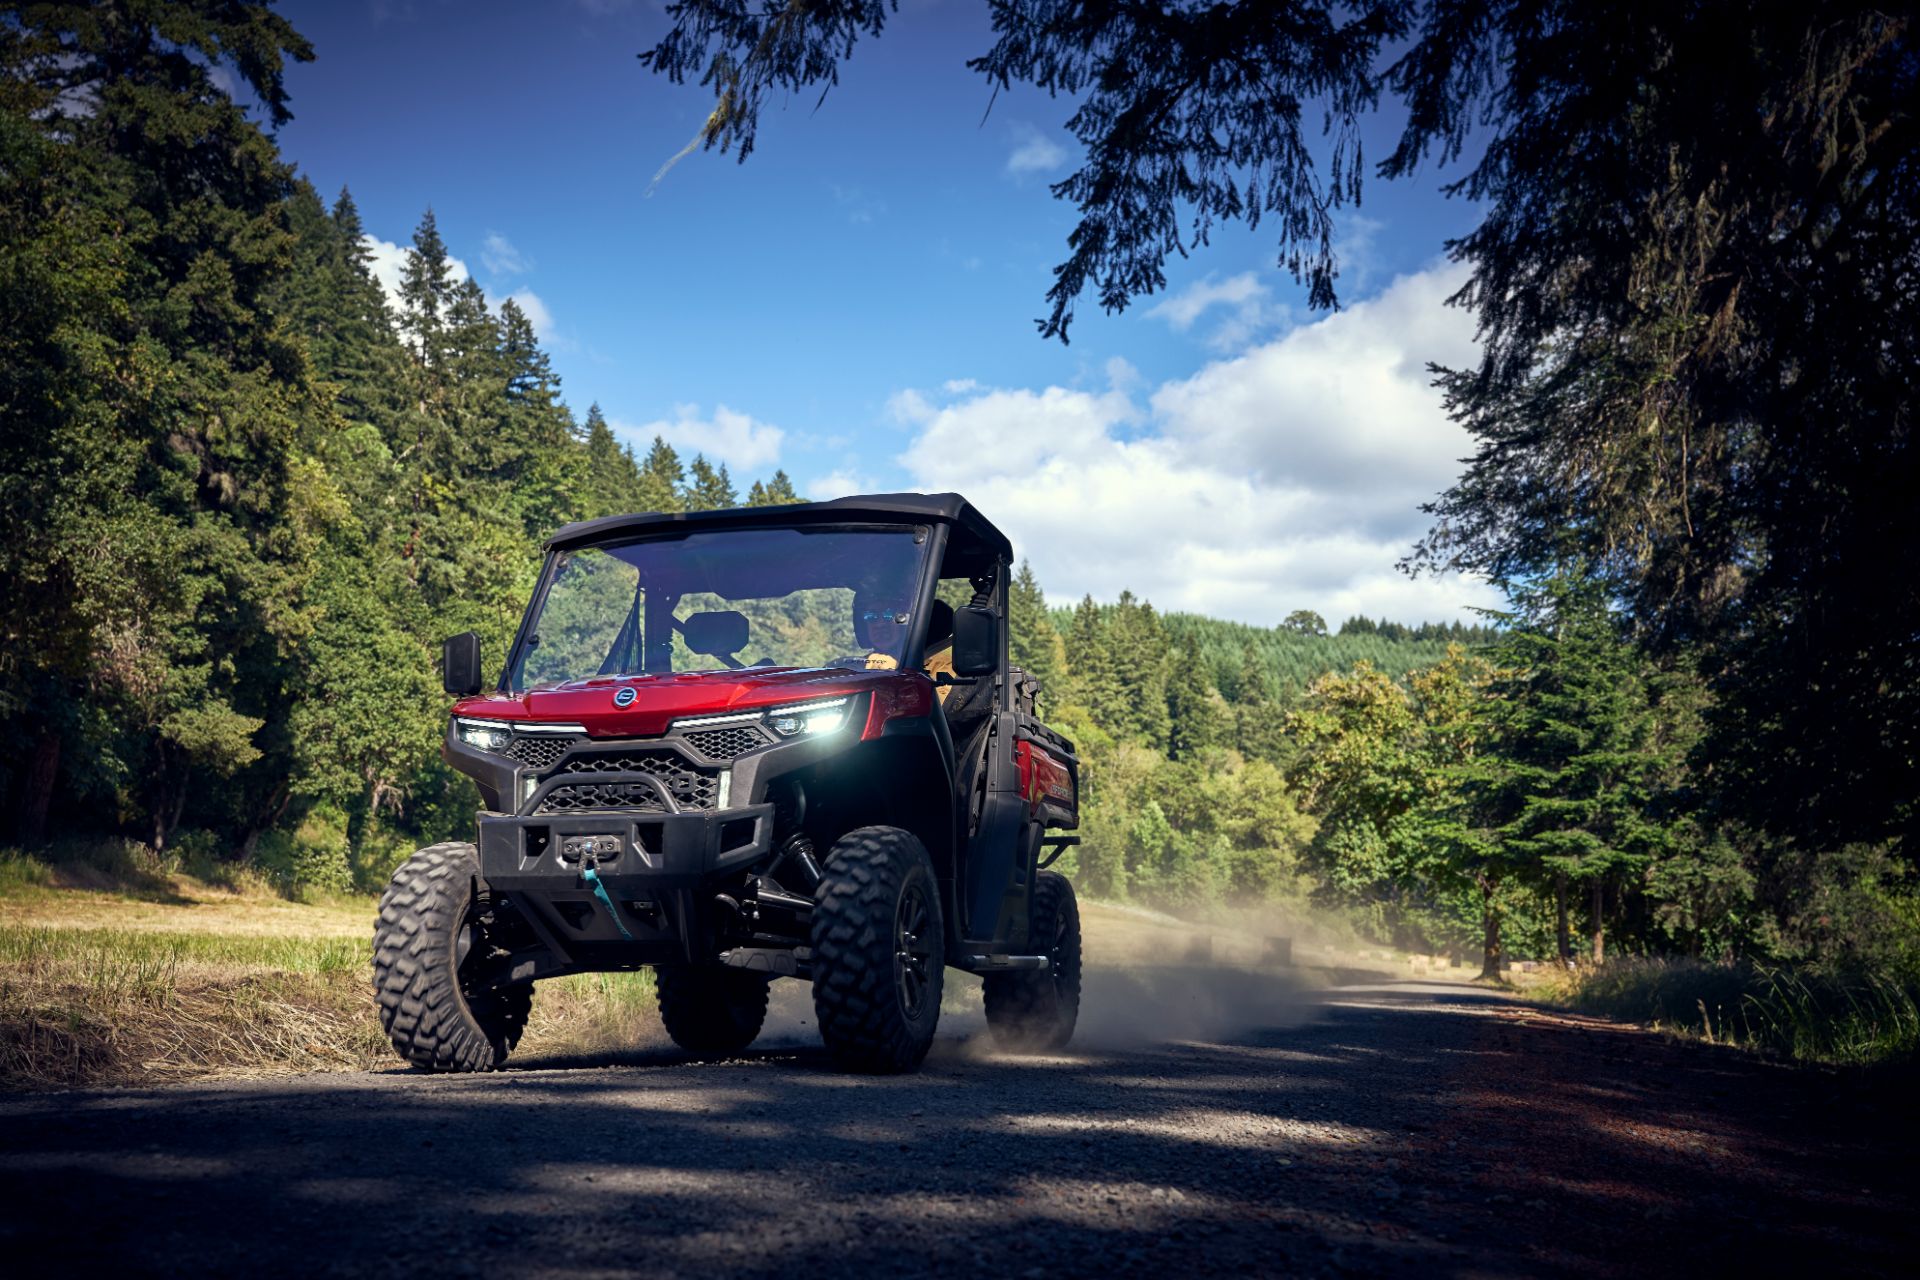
(653, 817)
(659, 874)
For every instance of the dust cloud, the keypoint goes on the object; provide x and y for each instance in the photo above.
(1121, 1007)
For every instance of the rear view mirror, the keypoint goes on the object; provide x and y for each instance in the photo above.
(976, 642)
(460, 665)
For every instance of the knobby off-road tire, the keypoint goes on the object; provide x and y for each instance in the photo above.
(710, 1011)
(1035, 1012)
(879, 951)
(416, 968)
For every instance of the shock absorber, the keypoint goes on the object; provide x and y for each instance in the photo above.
(798, 851)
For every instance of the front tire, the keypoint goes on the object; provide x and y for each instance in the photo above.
(879, 951)
(710, 1011)
(425, 933)
(1035, 1012)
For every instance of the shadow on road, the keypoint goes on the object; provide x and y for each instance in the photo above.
(1401, 1129)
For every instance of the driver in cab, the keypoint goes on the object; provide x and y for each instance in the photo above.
(881, 627)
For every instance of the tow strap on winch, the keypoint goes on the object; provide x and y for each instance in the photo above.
(592, 876)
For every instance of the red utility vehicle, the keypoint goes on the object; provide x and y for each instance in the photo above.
(742, 745)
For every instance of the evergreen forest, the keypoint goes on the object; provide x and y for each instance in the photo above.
(248, 494)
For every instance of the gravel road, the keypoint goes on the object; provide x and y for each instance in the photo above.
(1429, 1129)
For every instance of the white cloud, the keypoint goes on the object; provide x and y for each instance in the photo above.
(910, 409)
(839, 484)
(1248, 304)
(501, 258)
(1286, 478)
(1354, 249)
(736, 439)
(1034, 152)
(536, 311)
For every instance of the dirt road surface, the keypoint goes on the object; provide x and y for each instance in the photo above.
(1206, 1124)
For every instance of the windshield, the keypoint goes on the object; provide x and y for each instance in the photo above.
(727, 599)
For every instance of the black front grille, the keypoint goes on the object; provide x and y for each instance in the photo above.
(725, 744)
(690, 785)
(541, 752)
(603, 795)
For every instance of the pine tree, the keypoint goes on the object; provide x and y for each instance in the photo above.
(662, 479)
(1575, 727)
(1095, 684)
(426, 293)
(153, 463)
(708, 489)
(773, 493)
(612, 479)
(1258, 719)
(1193, 713)
(1139, 649)
(1036, 647)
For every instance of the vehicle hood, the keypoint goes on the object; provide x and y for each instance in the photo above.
(661, 699)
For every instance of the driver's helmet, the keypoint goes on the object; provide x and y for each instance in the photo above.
(879, 619)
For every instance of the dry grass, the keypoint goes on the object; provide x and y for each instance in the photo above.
(155, 976)
(107, 1006)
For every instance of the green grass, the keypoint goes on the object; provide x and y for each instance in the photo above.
(1842, 1018)
(106, 952)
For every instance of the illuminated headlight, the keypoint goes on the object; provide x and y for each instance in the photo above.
(809, 718)
(488, 735)
(495, 735)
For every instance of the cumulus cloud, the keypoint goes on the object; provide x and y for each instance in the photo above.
(1245, 299)
(742, 442)
(500, 256)
(1034, 152)
(1285, 478)
(838, 484)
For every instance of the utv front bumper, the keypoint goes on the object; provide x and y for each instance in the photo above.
(660, 879)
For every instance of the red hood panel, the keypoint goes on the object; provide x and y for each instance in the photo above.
(662, 699)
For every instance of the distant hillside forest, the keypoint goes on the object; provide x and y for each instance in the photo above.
(248, 495)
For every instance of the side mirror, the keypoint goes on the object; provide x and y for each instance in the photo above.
(460, 665)
(976, 642)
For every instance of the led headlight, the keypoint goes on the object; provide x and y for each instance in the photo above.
(791, 721)
(488, 735)
(494, 735)
(808, 717)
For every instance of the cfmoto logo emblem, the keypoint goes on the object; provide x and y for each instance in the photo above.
(625, 697)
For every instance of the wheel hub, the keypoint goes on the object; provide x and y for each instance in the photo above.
(912, 954)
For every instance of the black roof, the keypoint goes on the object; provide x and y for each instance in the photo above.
(890, 508)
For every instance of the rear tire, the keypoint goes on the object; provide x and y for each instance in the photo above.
(424, 931)
(709, 1010)
(879, 951)
(1035, 1012)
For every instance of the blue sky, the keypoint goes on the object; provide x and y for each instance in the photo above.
(856, 302)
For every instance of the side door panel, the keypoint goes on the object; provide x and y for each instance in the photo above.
(999, 863)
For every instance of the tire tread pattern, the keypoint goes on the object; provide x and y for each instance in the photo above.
(430, 1021)
(854, 996)
(1036, 1012)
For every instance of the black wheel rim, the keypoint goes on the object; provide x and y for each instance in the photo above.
(912, 949)
(470, 947)
(1058, 949)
